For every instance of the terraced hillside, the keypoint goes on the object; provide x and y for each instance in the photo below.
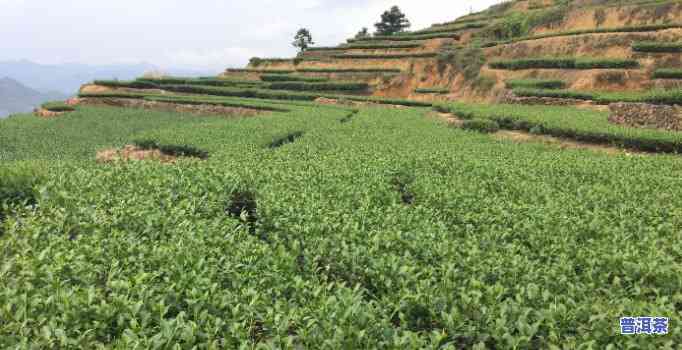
(631, 46)
(507, 180)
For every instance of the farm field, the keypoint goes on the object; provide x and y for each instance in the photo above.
(329, 227)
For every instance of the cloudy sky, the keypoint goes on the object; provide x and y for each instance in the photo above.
(199, 34)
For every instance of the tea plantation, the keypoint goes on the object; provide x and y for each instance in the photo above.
(329, 228)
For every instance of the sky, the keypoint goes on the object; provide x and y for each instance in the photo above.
(197, 34)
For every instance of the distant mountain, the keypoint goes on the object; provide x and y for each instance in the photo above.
(18, 98)
(67, 78)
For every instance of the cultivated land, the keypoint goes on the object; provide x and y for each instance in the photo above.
(339, 200)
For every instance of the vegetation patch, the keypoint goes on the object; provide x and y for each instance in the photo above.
(349, 117)
(409, 37)
(564, 63)
(58, 106)
(260, 71)
(314, 86)
(655, 46)
(386, 56)
(434, 90)
(485, 126)
(401, 182)
(17, 189)
(242, 205)
(630, 29)
(666, 97)
(350, 70)
(382, 46)
(572, 123)
(468, 61)
(535, 84)
(451, 28)
(172, 150)
(667, 74)
(280, 77)
(286, 139)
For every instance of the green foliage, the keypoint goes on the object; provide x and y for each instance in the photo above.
(363, 33)
(172, 150)
(409, 37)
(654, 46)
(667, 74)
(565, 63)
(318, 86)
(350, 70)
(468, 61)
(434, 90)
(535, 84)
(58, 106)
(280, 77)
(135, 84)
(485, 126)
(573, 123)
(668, 97)
(392, 22)
(387, 56)
(146, 255)
(628, 29)
(452, 28)
(381, 45)
(303, 40)
(18, 188)
(261, 71)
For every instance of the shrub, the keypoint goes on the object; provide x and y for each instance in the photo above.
(468, 61)
(564, 63)
(486, 126)
(667, 74)
(314, 86)
(387, 56)
(17, 188)
(349, 70)
(652, 46)
(172, 150)
(432, 90)
(535, 84)
(280, 77)
(136, 84)
(57, 106)
(263, 71)
(388, 45)
(409, 37)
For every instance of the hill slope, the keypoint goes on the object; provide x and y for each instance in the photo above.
(17, 98)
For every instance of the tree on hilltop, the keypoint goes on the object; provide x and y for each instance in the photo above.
(392, 21)
(362, 33)
(303, 39)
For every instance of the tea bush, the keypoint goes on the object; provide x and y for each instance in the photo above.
(564, 63)
(485, 126)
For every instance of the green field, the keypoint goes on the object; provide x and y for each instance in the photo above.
(330, 228)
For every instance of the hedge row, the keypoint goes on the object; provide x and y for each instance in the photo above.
(200, 81)
(285, 95)
(535, 84)
(378, 46)
(631, 29)
(264, 71)
(134, 84)
(316, 86)
(451, 28)
(665, 97)
(386, 56)
(570, 122)
(57, 106)
(564, 63)
(349, 70)
(432, 91)
(667, 74)
(283, 77)
(408, 37)
(653, 46)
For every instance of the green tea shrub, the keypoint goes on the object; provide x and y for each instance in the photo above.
(485, 126)
(435, 90)
(172, 150)
(669, 73)
(564, 63)
(655, 46)
(535, 84)
(387, 56)
(280, 77)
(58, 106)
(18, 188)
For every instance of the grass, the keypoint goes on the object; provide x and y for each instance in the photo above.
(386, 231)
(564, 63)
(570, 122)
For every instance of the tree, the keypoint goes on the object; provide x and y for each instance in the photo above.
(392, 21)
(303, 39)
(362, 33)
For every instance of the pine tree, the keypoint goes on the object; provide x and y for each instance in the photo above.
(303, 39)
(392, 22)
